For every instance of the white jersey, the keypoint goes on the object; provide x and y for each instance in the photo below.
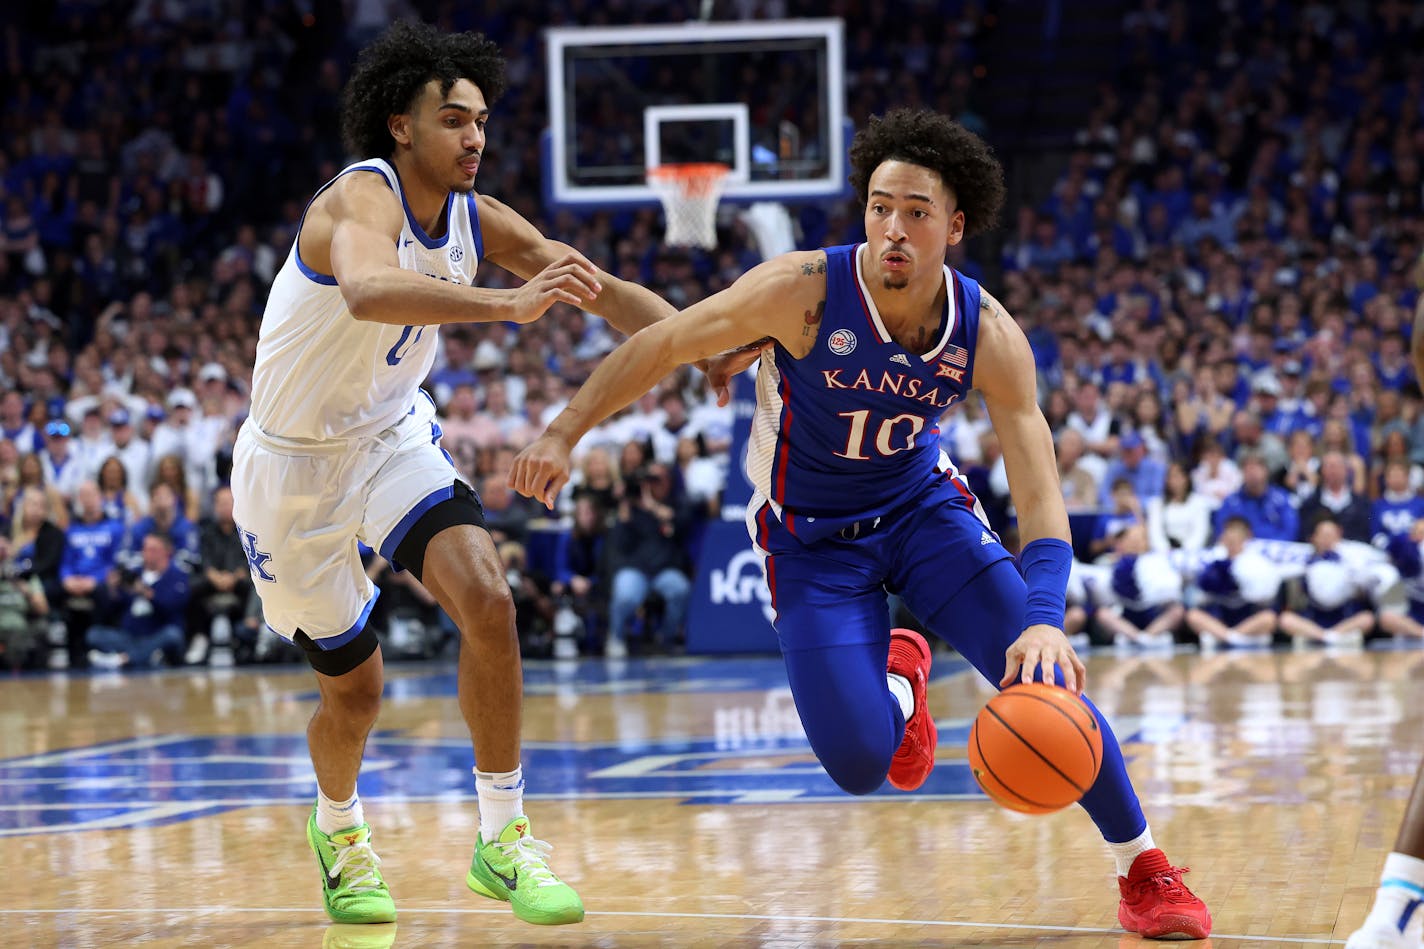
(323, 374)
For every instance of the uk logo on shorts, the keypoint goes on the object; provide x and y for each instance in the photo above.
(257, 560)
(842, 342)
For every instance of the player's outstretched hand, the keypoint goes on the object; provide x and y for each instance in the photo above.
(570, 279)
(720, 369)
(541, 470)
(1044, 647)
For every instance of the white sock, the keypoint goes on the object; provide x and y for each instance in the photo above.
(904, 693)
(501, 795)
(1127, 851)
(1400, 892)
(332, 816)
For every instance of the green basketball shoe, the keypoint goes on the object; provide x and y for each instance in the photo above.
(352, 888)
(515, 869)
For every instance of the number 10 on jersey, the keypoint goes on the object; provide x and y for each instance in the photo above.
(888, 440)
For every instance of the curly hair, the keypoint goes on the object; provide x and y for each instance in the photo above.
(391, 72)
(962, 159)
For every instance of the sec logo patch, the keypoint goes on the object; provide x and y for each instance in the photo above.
(842, 342)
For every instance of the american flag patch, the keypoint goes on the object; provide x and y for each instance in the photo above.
(956, 356)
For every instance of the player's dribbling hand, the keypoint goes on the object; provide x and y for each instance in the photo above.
(541, 470)
(1043, 647)
(571, 279)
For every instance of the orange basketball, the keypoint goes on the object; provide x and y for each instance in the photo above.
(1035, 748)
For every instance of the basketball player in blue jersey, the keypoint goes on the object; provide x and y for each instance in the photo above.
(1396, 919)
(869, 345)
(342, 446)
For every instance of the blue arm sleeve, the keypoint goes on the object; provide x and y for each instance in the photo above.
(1045, 564)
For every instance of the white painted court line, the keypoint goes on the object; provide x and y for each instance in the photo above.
(733, 917)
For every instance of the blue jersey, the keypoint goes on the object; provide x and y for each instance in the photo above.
(1395, 518)
(851, 430)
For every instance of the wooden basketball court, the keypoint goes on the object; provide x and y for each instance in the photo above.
(683, 803)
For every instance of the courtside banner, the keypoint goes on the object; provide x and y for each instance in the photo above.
(731, 605)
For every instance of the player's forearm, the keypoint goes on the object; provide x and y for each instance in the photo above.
(1029, 461)
(1041, 512)
(627, 306)
(624, 375)
(408, 298)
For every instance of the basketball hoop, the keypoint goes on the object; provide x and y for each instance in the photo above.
(689, 193)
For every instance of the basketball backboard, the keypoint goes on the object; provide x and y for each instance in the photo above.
(766, 98)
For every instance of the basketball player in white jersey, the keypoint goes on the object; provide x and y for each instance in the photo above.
(341, 445)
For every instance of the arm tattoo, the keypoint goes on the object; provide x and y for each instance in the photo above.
(993, 308)
(812, 268)
(813, 320)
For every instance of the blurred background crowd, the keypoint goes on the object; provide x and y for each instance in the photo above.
(1215, 262)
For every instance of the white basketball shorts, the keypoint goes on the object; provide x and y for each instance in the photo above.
(300, 511)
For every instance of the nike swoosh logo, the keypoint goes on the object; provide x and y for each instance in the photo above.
(331, 882)
(510, 882)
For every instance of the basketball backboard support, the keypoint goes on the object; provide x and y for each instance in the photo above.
(766, 98)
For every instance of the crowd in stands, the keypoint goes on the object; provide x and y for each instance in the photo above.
(1218, 291)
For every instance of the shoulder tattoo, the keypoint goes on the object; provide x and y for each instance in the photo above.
(814, 267)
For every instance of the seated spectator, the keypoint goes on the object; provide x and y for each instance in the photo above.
(1302, 465)
(1137, 467)
(23, 610)
(646, 553)
(1394, 448)
(120, 504)
(1216, 476)
(1079, 486)
(62, 467)
(1240, 590)
(92, 547)
(1147, 591)
(1124, 511)
(597, 480)
(1264, 506)
(1336, 611)
(1336, 436)
(1093, 420)
(1398, 507)
(1406, 553)
(133, 450)
(169, 471)
(165, 517)
(151, 604)
(1180, 518)
(1349, 511)
(221, 581)
(1206, 412)
(38, 544)
(582, 578)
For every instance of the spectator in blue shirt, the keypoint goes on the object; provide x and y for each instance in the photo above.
(165, 517)
(1124, 510)
(91, 551)
(1259, 503)
(1134, 465)
(1398, 507)
(151, 605)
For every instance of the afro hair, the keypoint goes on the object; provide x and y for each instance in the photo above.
(920, 137)
(392, 71)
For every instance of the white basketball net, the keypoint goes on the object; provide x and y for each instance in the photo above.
(689, 194)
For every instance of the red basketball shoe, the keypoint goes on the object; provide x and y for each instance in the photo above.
(1157, 904)
(913, 762)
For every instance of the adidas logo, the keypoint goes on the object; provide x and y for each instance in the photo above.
(901, 358)
(985, 539)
